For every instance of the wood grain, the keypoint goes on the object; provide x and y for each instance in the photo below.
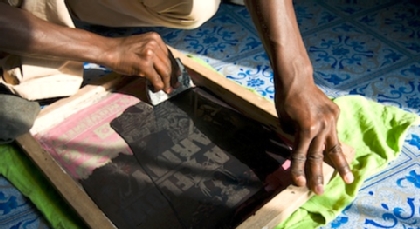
(65, 185)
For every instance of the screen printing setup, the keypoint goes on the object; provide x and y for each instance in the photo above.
(213, 156)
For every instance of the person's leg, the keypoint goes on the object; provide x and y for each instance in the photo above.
(184, 14)
(17, 115)
(26, 78)
(36, 78)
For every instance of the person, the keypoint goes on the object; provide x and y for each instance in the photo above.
(45, 52)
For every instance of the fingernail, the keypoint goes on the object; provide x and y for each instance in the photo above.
(319, 189)
(348, 178)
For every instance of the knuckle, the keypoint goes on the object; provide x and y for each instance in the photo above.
(329, 118)
(149, 52)
(310, 130)
(316, 158)
(297, 172)
(324, 123)
(154, 35)
(335, 150)
(336, 111)
(298, 158)
(328, 123)
(152, 44)
(332, 119)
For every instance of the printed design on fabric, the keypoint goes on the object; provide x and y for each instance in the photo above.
(78, 144)
(192, 150)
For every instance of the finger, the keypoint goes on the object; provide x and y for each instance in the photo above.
(172, 65)
(298, 157)
(161, 62)
(337, 158)
(315, 161)
(164, 66)
(154, 77)
(161, 67)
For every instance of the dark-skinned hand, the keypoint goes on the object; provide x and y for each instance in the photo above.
(144, 55)
(312, 117)
(303, 109)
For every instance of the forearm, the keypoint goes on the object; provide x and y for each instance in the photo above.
(276, 23)
(24, 34)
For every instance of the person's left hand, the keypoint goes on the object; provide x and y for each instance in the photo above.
(312, 117)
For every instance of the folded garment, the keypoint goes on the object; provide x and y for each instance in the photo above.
(17, 116)
(377, 134)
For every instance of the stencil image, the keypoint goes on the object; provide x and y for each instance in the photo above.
(195, 164)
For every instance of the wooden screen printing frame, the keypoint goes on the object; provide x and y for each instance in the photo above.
(246, 101)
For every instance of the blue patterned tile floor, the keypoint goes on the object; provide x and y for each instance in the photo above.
(15, 210)
(369, 48)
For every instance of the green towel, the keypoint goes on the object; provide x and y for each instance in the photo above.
(377, 134)
(26, 177)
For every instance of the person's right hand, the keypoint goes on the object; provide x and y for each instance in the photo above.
(143, 55)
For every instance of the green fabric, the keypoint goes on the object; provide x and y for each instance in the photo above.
(377, 134)
(26, 177)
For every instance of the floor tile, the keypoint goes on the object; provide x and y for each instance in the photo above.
(388, 204)
(398, 23)
(412, 143)
(252, 71)
(310, 15)
(400, 88)
(351, 7)
(344, 54)
(16, 211)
